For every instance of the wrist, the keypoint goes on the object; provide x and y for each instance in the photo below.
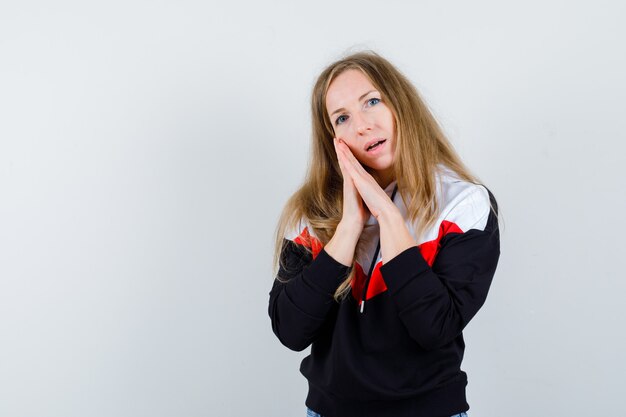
(395, 236)
(390, 213)
(342, 245)
(348, 228)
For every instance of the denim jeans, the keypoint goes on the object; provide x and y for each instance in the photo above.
(311, 413)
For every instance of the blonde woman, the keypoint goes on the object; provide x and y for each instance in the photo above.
(384, 254)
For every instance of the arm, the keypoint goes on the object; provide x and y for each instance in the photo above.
(299, 307)
(436, 303)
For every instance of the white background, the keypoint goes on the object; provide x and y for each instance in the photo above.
(147, 148)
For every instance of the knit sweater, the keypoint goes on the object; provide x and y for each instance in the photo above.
(397, 351)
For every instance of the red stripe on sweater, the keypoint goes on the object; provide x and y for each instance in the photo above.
(311, 242)
(377, 284)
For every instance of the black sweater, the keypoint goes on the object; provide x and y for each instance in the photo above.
(401, 355)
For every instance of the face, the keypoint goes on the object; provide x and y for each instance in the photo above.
(360, 117)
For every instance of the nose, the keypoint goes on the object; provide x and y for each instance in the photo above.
(362, 124)
(362, 129)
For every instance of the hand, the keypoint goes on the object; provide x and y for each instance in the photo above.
(354, 213)
(375, 198)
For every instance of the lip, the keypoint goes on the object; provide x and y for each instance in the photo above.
(373, 141)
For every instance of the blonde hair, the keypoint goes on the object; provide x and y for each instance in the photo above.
(420, 146)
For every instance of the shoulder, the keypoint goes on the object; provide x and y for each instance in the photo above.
(303, 234)
(293, 232)
(463, 203)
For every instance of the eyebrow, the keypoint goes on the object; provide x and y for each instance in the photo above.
(360, 98)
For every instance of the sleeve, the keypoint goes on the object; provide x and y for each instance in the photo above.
(435, 304)
(299, 306)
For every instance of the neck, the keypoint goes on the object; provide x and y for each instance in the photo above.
(384, 178)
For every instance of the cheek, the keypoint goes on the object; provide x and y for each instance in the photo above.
(391, 122)
(346, 135)
(352, 146)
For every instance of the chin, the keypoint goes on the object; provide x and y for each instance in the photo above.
(382, 165)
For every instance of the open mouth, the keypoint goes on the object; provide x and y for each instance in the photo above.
(376, 145)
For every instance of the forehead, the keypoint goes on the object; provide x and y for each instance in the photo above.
(347, 87)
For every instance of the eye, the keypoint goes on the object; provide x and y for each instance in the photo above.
(373, 101)
(340, 119)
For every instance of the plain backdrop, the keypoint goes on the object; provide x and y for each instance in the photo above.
(147, 148)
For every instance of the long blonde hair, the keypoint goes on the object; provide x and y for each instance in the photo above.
(421, 145)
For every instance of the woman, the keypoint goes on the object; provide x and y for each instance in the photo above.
(386, 252)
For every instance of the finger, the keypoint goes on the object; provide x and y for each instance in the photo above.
(351, 163)
(346, 162)
(345, 149)
(363, 180)
(341, 158)
(351, 159)
(338, 153)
